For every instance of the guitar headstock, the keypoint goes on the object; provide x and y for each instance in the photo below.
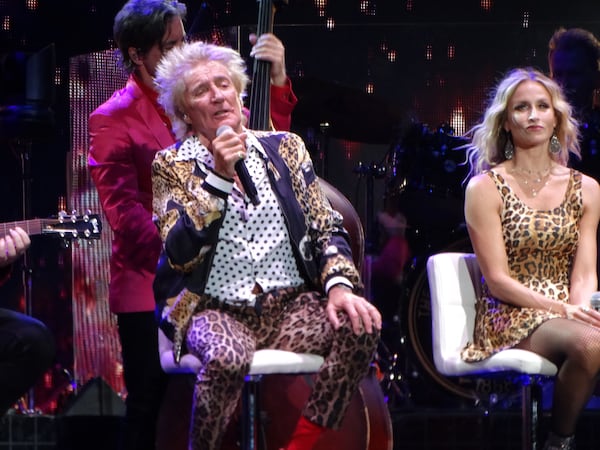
(73, 226)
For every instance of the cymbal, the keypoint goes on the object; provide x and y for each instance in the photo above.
(351, 113)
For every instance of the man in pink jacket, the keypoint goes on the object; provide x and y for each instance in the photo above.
(125, 133)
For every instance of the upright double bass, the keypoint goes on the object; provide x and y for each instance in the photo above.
(260, 93)
(367, 424)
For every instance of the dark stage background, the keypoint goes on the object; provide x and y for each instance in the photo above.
(395, 80)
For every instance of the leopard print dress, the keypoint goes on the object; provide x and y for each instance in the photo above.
(540, 245)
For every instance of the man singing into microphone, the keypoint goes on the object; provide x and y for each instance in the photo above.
(278, 274)
(126, 131)
(242, 172)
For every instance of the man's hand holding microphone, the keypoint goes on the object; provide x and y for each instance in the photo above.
(229, 151)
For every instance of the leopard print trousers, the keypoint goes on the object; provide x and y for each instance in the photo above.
(224, 338)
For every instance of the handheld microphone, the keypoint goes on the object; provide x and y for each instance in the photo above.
(242, 172)
(595, 301)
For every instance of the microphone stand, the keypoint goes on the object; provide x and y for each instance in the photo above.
(393, 382)
(24, 122)
(24, 146)
(370, 172)
(324, 147)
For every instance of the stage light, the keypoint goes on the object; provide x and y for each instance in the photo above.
(458, 121)
(486, 5)
(525, 21)
(451, 51)
(321, 5)
(368, 7)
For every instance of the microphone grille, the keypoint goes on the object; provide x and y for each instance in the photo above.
(222, 129)
(595, 301)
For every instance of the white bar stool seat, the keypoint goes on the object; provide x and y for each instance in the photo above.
(454, 285)
(264, 362)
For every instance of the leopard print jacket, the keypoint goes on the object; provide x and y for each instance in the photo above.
(189, 211)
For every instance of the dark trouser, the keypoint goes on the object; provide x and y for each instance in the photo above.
(27, 350)
(144, 379)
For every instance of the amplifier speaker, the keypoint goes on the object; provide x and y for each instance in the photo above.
(92, 420)
(95, 398)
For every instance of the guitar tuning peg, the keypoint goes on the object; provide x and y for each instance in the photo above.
(88, 212)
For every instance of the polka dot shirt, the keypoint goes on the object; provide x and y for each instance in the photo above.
(254, 246)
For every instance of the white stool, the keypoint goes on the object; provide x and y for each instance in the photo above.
(454, 284)
(264, 362)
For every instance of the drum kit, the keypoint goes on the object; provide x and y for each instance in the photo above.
(426, 176)
(424, 182)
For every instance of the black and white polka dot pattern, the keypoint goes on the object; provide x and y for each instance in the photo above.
(191, 148)
(254, 245)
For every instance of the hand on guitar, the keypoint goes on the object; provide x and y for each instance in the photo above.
(13, 245)
(269, 48)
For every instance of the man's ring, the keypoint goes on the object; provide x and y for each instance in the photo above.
(584, 308)
(240, 155)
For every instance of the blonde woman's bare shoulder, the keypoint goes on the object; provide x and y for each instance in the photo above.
(591, 197)
(479, 182)
(590, 186)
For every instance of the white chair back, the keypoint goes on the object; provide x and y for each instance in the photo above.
(454, 285)
(452, 289)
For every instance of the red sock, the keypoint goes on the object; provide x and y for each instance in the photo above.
(305, 435)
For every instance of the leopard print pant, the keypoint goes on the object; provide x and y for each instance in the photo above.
(224, 338)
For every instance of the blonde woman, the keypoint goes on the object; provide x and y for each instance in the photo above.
(532, 222)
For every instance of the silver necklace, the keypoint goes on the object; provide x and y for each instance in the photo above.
(533, 180)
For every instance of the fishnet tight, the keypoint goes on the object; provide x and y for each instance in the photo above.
(575, 348)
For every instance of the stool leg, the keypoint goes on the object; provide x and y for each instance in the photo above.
(531, 410)
(250, 415)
